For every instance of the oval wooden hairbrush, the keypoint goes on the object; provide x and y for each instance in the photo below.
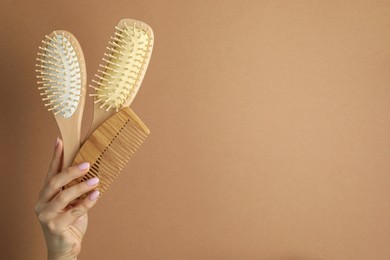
(124, 65)
(62, 75)
(117, 132)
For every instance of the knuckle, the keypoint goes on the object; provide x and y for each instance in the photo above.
(67, 170)
(81, 188)
(79, 211)
(37, 209)
(42, 217)
(52, 184)
(62, 198)
(71, 170)
(72, 173)
(84, 207)
(51, 226)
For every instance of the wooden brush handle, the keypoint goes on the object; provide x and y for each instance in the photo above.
(99, 116)
(71, 135)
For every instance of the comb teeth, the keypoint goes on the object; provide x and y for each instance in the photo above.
(59, 74)
(124, 65)
(111, 146)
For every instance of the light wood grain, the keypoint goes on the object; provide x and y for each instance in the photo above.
(101, 113)
(115, 136)
(70, 128)
(111, 146)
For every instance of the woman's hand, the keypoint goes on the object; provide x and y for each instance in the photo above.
(64, 222)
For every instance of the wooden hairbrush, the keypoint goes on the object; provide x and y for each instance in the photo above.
(62, 76)
(124, 66)
(117, 132)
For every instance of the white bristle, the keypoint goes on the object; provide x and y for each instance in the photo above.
(60, 74)
(129, 51)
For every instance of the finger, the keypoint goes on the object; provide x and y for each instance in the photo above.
(70, 216)
(64, 197)
(56, 162)
(56, 182)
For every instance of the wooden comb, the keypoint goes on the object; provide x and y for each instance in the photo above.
(109, 148)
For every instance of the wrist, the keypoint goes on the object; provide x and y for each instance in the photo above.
(53, 256)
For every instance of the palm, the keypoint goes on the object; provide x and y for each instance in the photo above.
(64, 219)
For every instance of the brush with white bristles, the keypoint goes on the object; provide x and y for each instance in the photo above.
(61, 74)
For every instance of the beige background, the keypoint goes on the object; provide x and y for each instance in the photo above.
(270, 129)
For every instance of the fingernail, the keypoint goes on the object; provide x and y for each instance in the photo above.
(93, 181)
(94, 195)
(83, 166)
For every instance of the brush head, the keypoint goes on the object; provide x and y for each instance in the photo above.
(110, 147)
(124, 65)
(61, 73)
